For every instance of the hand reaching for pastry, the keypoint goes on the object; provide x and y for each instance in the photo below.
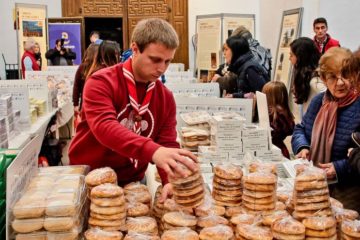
(329, 169)
(166, 192)
(304, 154)
(167, 158)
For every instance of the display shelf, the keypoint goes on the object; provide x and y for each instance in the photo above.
(64, 112)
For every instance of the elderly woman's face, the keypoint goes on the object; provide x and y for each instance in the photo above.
(338, 86)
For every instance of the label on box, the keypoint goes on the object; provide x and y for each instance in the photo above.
(250, 145)
(269, 155)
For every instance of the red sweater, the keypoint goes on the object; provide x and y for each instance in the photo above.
(329, 43)
(35, 66)
(102, 138)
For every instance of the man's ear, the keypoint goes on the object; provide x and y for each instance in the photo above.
(135, 48)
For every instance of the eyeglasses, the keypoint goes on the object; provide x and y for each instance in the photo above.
(333, 78)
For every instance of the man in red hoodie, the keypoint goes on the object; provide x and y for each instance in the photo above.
(128, 117)
(28, 59)
(322, 40)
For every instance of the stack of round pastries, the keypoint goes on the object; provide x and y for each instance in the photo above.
(188, 191)
(158, 208)
(320, 227)
(227, 190)
(210, 221)
(219, 232)
(139, 193)
(259, 191)
(278, 214)
(140, 236)
(350, 229)
(242, 218)
(182, 233)
(311, 194)
(288, 228)
(99, 176)
(253, 232)
(208, 207)
(232, 211)
(173, 220)
(97, 233)
(107, 209)
(341, 215)
(143, 225)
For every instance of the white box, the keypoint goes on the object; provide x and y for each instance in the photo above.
(254, 132)
(236, 157)
(227, 122)
(5, 104)
(274, 154)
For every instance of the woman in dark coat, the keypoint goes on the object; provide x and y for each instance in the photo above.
(250, 75)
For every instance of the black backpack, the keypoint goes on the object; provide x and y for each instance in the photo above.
(262, 56)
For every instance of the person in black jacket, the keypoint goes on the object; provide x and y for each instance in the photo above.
(351, 70)
(60, 56)
(250, 75)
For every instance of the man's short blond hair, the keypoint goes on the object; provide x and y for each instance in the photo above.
(29, 44)
(154, 30)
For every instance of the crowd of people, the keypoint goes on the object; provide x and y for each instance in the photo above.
(325, 84)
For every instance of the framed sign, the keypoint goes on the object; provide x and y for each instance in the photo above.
(31, 22)
(212, 31)
(290, 29)
(72, 30)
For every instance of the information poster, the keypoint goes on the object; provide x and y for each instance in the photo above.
(209, 47)
(231, 23)
(70, 33)
(290, 30)
(31, 22)
(212, 32)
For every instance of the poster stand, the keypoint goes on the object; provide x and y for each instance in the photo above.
(31, 22)
(290, 29)
(212, 31)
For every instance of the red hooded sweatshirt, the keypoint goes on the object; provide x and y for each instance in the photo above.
(103, 137)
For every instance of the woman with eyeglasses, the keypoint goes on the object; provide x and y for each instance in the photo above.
(324, 135)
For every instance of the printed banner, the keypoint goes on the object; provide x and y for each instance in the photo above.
(31, 24)
(70, 33)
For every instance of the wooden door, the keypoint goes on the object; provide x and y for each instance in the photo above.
(173, 11)
(102, 8)
(71, 8)
(179, 19)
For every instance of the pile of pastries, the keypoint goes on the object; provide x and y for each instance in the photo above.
(52, 206)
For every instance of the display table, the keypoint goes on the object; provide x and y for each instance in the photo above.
(64, 114)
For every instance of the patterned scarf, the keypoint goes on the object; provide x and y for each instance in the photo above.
(139, 109)
(324, 127)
